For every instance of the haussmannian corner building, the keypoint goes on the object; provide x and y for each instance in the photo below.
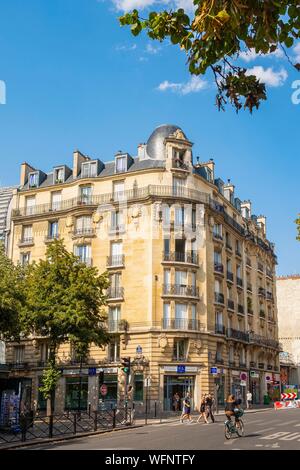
(192, 296)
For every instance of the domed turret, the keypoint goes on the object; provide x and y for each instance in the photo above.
(155, 148)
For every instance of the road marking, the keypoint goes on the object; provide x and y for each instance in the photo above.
(265, 430)
(277, 435)
(291, 437)
(291, 422)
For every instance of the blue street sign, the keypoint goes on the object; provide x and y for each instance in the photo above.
(92, 370)
(180, 369)
(213, 370)
(139, 349)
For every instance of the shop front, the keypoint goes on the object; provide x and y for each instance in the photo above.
(239, 385)
(108, 388)
(220, 387)
(180, 385)
(76, 393)
(255, 387)
(273, 386)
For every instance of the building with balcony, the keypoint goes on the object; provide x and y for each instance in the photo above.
(180, 248)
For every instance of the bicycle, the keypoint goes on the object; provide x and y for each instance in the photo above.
(232, 428)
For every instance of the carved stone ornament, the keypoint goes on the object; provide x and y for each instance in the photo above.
(136, 212)
(211, 221)
(97, 217)
(178, 134)
(197, 345)
(163, 341)
(69, 222)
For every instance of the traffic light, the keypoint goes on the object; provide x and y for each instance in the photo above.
(126, 365)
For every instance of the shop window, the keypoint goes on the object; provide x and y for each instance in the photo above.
(76, 393)
(111, 381)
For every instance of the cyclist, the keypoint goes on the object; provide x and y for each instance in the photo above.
(231, 408)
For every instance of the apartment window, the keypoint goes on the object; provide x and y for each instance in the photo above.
(33, 180)
(83, 252)
(115, 280)
(119, 190)
(178, 186)
(209, 174)
(121, 164)
(19, 354)
(219, 322)
(116, 220)
(229, 293)
(56, 201)
(180, 278)
(167, 245)
(180, 248)
(193, 219)
(167, 276)
(30, 205)
(239, 271)
(231, 354)
(53, 230)
(89, 170)
(238, 247)
(194, 315)
(59, 175)
(181, 316)
(27, 233)
(217, 258)
(219, 352)
(25, 258)
(138, 387)
(179, 216)
(114, 317)
(84, 224)
(116, 251)
(44, 352)
(217, 231)
(228, 241)
(193, 279)
(218, 286)
(86, 194)
(167, 315)
(229, 265)
(180, 349)
(114, 350)
(166, 215)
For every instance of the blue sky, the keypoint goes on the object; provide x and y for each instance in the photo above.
(76, 79)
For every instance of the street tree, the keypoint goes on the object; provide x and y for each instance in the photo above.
(11, 296)
(64, 302)
(298, 227)
(215, 35)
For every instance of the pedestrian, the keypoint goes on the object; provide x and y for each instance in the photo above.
(249, 399)
(176, 402)
(202, 410)
(209, 407)
(186, 412)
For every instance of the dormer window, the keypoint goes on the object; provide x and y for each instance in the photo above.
(89, 169)
(33, 180)
(59, 175)
(209, 175)
(121, 163)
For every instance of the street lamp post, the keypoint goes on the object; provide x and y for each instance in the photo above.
(80, 385)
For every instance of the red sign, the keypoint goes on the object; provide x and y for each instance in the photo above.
(288, 396)
(103, 389)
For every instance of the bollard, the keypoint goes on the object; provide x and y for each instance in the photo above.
(114, 418)
(89, 410)
(155, 409)
(23, 427)
(75, 423)
(51, 426)
(95, 421)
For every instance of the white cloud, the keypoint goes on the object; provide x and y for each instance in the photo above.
(152, 49)
(250, 55)
(194, 85)
(297, 52)
(127, 5)
(126, 48)
(268, 75)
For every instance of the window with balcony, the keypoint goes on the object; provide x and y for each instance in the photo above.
(218, 266)
(194, 219)
(228, 241)
(229, 270)
(231, 355)
(85, 194)
(167, 316)
(178, 186)
(27, 234)
(119, 190)
(178, 159)
(89, 169)
(53, 230)
(180, 249)
(166, 212)
(219, 296)
(181, 316)
(116, 254)
(30, 203)
(238, 249)
(115, 291)
(25, 258)
(217, 232)
(180, 278)
(179, 216)
(84, 253)
(219, 326)
(117, 221)
(167, 248)
(114, 317)
(56, 200)
(83, 226)
(219, 353)
(33, 180)
(180, 349)
(19, 354)
(44, 352)
(114, 350)
(194, 316)
(121, 164)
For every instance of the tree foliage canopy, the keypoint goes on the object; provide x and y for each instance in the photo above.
(219, 30)
(11, 296)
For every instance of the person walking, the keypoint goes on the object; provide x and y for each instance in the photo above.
(176, 402)
(249, 399)
(186, 412)
(209, 407)
(202, 410)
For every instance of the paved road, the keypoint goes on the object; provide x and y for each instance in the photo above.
(263, 430)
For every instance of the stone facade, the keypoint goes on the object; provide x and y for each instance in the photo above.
(192, 284)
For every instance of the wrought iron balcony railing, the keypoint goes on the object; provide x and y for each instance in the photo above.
(219, 298)
(230, 276)
(220, 329)
(26, 242)
(218, 268)
(115, 261)
(230, 304)
(182, 324)
(237, 334)
(182, 291)
(115, 292)
(189, 257)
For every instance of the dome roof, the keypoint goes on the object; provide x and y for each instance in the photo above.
(155, 145)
